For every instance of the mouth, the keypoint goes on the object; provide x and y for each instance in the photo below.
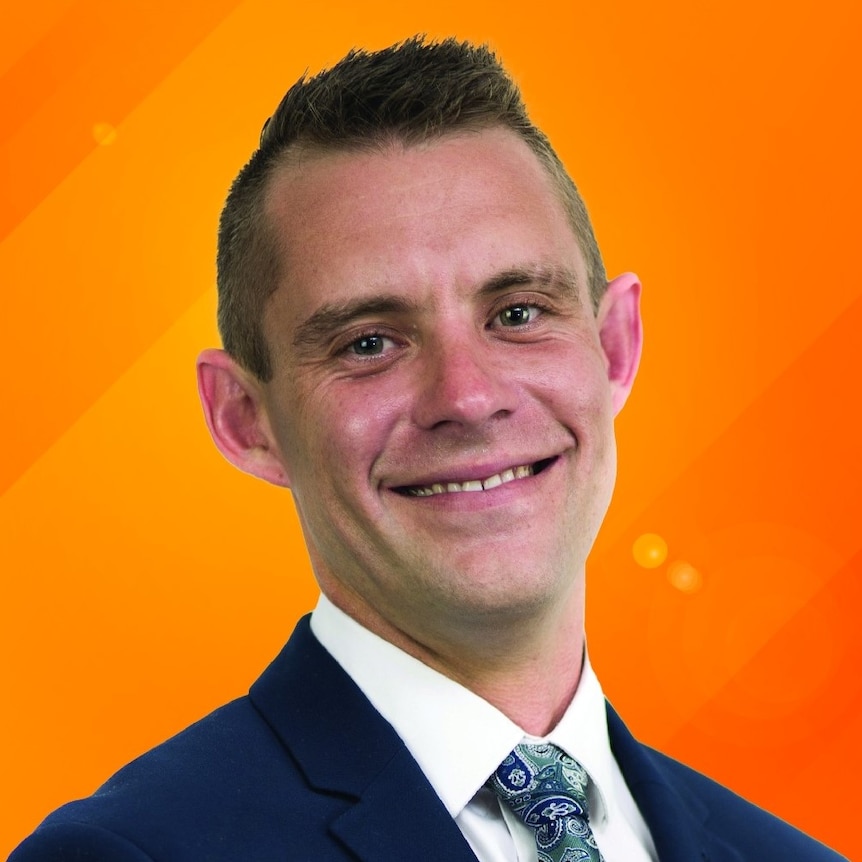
(511, 474)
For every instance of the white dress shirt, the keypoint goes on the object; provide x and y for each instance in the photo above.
(458, 739)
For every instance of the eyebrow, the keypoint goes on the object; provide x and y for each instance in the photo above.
(560, 278)
(331, 317)
(334, 316)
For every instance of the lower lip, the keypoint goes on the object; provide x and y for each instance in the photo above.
(466, 501)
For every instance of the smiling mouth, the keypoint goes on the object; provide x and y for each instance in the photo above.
(512, 474)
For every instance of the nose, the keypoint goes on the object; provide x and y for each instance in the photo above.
(463, 384)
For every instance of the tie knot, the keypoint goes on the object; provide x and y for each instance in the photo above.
(547, 790)
(536, 772)
(541, 784)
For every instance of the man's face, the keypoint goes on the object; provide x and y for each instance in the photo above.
(440, 403)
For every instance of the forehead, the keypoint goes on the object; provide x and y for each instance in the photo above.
(423, 218)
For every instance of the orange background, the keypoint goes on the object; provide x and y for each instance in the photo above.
(145, 581)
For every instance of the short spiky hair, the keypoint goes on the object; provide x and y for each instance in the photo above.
(410, 92)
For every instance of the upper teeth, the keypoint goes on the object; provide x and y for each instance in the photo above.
(473, 485)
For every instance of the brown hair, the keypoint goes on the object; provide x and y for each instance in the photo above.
(411, 92)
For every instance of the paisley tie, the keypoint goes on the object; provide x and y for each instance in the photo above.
(547, 789)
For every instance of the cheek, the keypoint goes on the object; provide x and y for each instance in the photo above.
(577, 392)
(358, 424)
(345, 428)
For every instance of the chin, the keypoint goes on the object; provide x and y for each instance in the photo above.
(511, 592)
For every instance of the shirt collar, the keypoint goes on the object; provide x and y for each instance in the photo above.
(457, 738)
(582, 733)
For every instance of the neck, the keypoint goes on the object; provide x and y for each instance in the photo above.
(526, 665)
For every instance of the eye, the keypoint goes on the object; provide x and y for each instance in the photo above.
(370, 345)
(518, 315)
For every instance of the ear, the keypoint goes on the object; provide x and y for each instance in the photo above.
(236, 417)
(621, 334)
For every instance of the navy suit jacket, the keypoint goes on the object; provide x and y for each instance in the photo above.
(304, 768)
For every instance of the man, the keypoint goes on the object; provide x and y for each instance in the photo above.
(422, 345)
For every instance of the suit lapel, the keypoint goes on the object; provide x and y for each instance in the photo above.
(344, 746)
(677, 823)
(400, 817)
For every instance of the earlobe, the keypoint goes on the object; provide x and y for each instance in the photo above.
(236, 418)
(621, 334)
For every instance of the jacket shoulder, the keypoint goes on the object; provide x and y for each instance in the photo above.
(77, 842)
(750, 830)
(692, 816)
(189, 798)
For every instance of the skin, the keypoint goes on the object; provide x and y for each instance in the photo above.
(434, 326)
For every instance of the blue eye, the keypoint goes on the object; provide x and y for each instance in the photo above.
(516, 315)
